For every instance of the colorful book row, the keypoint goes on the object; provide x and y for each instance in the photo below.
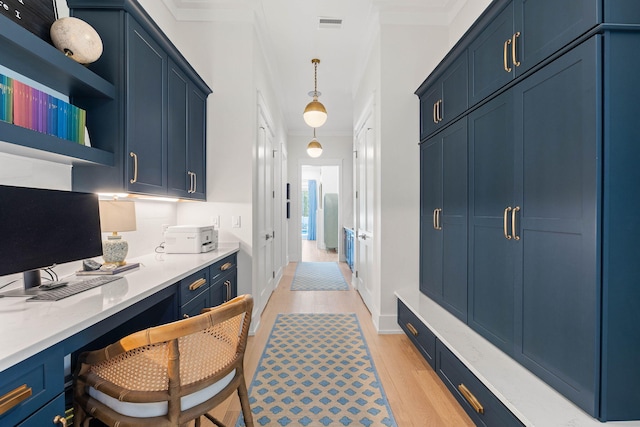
(33, 109)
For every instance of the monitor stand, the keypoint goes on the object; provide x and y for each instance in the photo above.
(31, 281)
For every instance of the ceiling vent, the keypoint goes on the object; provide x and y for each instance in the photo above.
(333, 23)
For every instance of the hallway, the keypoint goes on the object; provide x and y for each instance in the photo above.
(416, 395)
(311, 253)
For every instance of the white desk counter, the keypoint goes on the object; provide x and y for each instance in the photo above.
(524, 394)
(27, 328)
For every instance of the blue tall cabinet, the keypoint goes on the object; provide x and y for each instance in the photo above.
(547, 220)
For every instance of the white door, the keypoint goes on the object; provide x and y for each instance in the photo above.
(365, 138)
(265, 226)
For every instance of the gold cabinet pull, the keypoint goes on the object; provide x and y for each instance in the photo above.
(505, 221)
(435, 112)
(195, 182)
(439, 219)
(440, 110)
(135, 168)
(185, 316)
(58, 419)
(14, 398)
(513, 223)
(195, 285)
(412, 329)
(469, 397)
(435, 219)
(514, 56)
(505, 58)
(190, 182)
(227, 284)
(226, 266)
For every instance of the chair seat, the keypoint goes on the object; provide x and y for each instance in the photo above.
(157, 409)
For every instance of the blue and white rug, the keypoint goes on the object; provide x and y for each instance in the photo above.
(318, 276)
(316, 370)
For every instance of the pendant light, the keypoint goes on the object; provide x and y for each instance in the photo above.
(314, 149)
(315, 114)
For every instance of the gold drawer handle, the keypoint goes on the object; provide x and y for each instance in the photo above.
(477, 406)
(504, 56)
(60, 420)
(195, 285)
(412, 329)
(226, 266)
(14, 398)
(514, 55)
(135, 168)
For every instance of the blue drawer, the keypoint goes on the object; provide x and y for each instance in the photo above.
(418, 333)
(224, 266)
(481, 405)
(193, 285)
(31, 384)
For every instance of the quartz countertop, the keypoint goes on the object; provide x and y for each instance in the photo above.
(529, 398)
(27, 328)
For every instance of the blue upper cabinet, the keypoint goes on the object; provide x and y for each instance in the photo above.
(445, 99)
(524, 34)
(156, 126)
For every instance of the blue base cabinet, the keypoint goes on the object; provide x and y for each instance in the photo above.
(552, 196)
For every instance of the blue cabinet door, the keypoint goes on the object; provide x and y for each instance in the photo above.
(430, 202)
(196, 143)
(492, 190)
(146, 112)
(443, 272)
(545, 26)
(447, 98)
(557, 125)
(490, 65)
(177, 119)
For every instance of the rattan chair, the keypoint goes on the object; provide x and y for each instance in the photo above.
(167, 375)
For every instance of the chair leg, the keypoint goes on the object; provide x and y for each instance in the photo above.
(243, 394)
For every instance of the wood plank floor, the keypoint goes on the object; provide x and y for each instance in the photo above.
(416, 395)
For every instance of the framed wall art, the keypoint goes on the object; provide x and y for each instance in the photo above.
(33, 15)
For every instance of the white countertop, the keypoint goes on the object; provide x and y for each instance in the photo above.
(27, 328)
(529, 398)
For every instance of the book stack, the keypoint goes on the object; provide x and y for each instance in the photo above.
(33, 109)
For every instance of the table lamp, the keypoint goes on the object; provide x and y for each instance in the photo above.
(116, 216)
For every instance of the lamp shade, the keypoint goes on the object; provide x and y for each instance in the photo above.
(117, 215)
(315, 115)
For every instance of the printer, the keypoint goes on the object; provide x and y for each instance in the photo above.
(190, 239)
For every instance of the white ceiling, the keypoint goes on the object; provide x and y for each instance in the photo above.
(292, 37)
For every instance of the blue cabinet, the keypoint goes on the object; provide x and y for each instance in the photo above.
(445, 99)
(224, 280)
(156, 126)
(553, 195)
(443, 213)
(187, 136)
(349, 247)
(521, 36)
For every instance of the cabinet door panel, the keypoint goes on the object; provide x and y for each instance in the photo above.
(454, 218)
(428, 122)
(492, 257)
(486, 57)
(560, 289)
(146, 100)
(455, 91)
(178, 180)
(431, 199)
(547, 25)
(196, 144)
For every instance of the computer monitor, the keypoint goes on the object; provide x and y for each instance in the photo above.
(40, 228)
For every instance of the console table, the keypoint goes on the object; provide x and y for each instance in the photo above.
(40, 339)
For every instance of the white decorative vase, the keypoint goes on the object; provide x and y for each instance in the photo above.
(77, 39)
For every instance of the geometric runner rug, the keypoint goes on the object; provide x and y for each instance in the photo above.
(318, 276)
(316, 370)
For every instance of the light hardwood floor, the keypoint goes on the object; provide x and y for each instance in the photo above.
(416, 395)
(311, 253)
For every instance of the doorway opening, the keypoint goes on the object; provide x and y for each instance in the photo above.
(320, 208)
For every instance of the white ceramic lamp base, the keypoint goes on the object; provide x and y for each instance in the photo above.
(114, 250)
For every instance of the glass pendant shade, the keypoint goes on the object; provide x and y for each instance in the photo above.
(314, 149)
(315, 115)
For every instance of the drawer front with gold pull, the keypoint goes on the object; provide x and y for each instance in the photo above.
(13, 398)
(484, 408)
(418, 333)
